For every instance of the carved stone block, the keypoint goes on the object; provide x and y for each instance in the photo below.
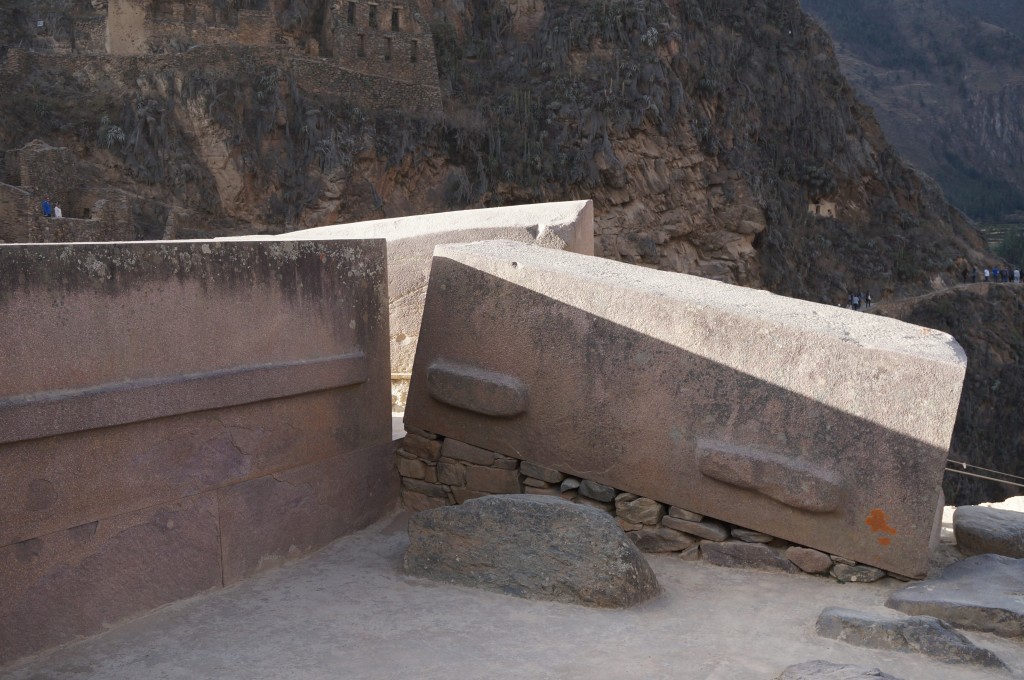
(822, 426)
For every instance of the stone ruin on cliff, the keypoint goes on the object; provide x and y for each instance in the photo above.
(177, 416)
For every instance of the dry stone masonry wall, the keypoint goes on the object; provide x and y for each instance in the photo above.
(438, 471)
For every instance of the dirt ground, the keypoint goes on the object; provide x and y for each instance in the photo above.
(349, 612)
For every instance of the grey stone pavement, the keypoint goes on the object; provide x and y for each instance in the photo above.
(349, 612)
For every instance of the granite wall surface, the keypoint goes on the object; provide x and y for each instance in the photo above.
(175, 417)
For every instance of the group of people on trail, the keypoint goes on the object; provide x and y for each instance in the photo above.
(51, 209)
(994, 275)
(860, 299)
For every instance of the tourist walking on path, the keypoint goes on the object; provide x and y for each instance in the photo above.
(974, 275)
(986, 274)
(47, 209)
(57, 212)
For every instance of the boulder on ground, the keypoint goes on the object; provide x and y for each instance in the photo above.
(979, 593)
(980, 530)
(922, 634)
(536, 547)
(826, 670)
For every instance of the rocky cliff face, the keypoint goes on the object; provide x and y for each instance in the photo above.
(702, 133)
(946, 81)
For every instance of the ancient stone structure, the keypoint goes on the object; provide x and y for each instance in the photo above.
(390, 39)
(567, 225)
(39, 171)
(806, 422)
(176, 417)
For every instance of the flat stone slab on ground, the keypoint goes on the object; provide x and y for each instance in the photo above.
(979, 593)
(747, 556)
(980, 530)
(922, 634)
(535, 547)
(826, 670)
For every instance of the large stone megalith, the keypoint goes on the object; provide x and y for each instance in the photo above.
(816, 424)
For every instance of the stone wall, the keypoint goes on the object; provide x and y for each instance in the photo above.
(438, 471)
(176, 417)
(388, 39)
(44, 171)
(825, 427)
(566, 225)
(15, 208)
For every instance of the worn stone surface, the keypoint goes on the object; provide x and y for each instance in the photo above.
(540, 472)
(530, 546)
(707, 529)
(714, 448)
(80, 580)
(422, 447)
(453, 448)
(826, 670)
(921, 634)
(424, 487)
(414, 501)
(543, 491)
(411, 241)
(746, 556)
(414, 468)
(462, 494)
(685, 514)
(539, 484)
(856, 574)
(140, 375)
(639, 510)
(661, 539)
(493, 480)
(983, 592)
(809, 560)
(600, 505)
(110, 403)
(981, 530)
(750, 536)
(570, 484)
(265, 521)
(597, 491)
(451, 472)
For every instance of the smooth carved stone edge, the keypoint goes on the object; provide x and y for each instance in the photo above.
(44, 414)
(476, 389)
(790, 482)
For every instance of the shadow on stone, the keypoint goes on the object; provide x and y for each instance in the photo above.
(536, 547)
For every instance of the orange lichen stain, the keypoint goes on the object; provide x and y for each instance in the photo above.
(876, 520)
(884, 540)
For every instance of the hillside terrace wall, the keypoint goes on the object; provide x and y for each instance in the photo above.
(175, 417)
(372, 92)
(814, 424)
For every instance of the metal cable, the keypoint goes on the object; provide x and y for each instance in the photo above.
(978, 467)
(991, 479)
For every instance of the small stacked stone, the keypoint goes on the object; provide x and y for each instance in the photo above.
(440, 471)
